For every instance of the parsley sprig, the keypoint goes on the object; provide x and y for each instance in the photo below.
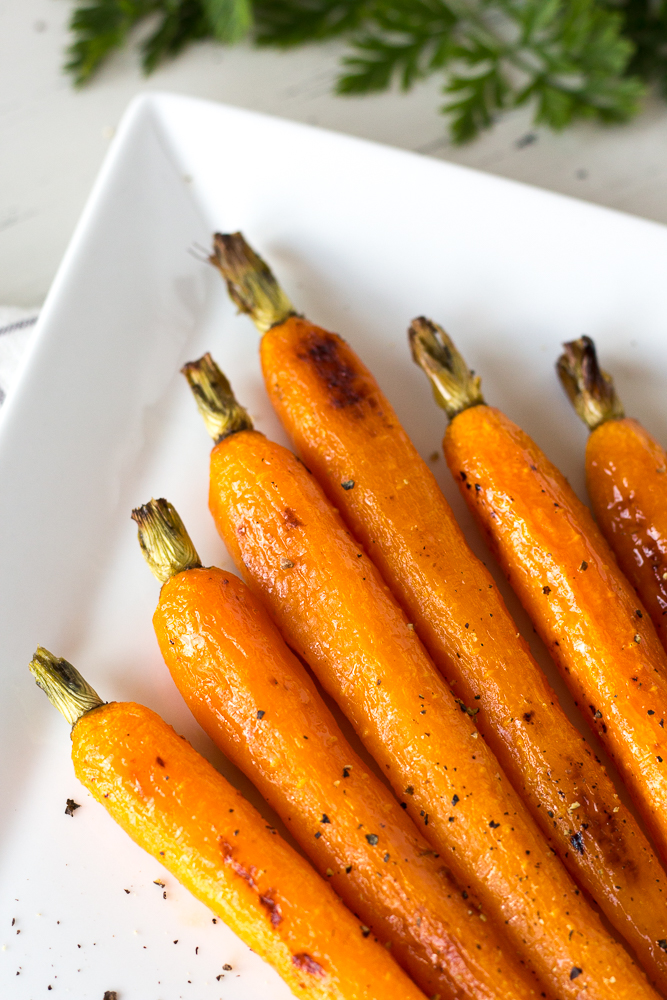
(568, 59)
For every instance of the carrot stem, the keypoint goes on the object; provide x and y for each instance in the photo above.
(250, 281)
(164, 541)
(216, 402)
(63, 685)
(454, 385)
(591, 391)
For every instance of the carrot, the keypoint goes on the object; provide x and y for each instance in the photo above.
(176, 806)
(259, 705)
(334, 609)
(626, 470)
(347, 433)
(567, 579)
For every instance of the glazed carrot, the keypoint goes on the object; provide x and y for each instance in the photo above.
(258, 704)
(347, 433)
(567, 579)
(334, 609)
(176, 806)
(626, 476)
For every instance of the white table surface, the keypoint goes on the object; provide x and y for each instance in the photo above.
(53, 138)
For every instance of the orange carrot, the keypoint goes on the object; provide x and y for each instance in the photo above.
(334, 609)
(176, 806)
(626, 475)
(567, 579)
(347, 433)
(258, 704)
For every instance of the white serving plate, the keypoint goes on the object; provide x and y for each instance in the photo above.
(363, 239)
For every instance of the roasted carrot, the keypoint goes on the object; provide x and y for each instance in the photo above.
(626, 475)
(347, 433)
(258, 704)
(176, 806)
(335, 610)
(567, 579)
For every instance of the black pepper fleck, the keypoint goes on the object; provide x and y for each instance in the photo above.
(577, 843)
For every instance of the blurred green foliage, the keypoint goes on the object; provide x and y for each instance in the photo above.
(568, 59)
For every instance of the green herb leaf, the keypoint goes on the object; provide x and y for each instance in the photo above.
(566, 57)
(569, 59)
(99, 27)
(230, 20)
(645, 26)
(294, 22)
(182, 22)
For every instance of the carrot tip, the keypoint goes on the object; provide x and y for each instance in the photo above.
(250, 281)
(63, 685)
(165, 543)
(215, 399)
(590, 390)
(454, 385)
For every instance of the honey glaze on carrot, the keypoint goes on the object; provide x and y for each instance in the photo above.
(409, 722)
(176, 806)
(227, 659)
(334, 609)
(626, 476)
(567, 579)
(348, 435)
(258, 704)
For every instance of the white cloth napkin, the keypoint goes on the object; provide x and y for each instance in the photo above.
(16, 328)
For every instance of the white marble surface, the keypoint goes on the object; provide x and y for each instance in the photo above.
(53, 138)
